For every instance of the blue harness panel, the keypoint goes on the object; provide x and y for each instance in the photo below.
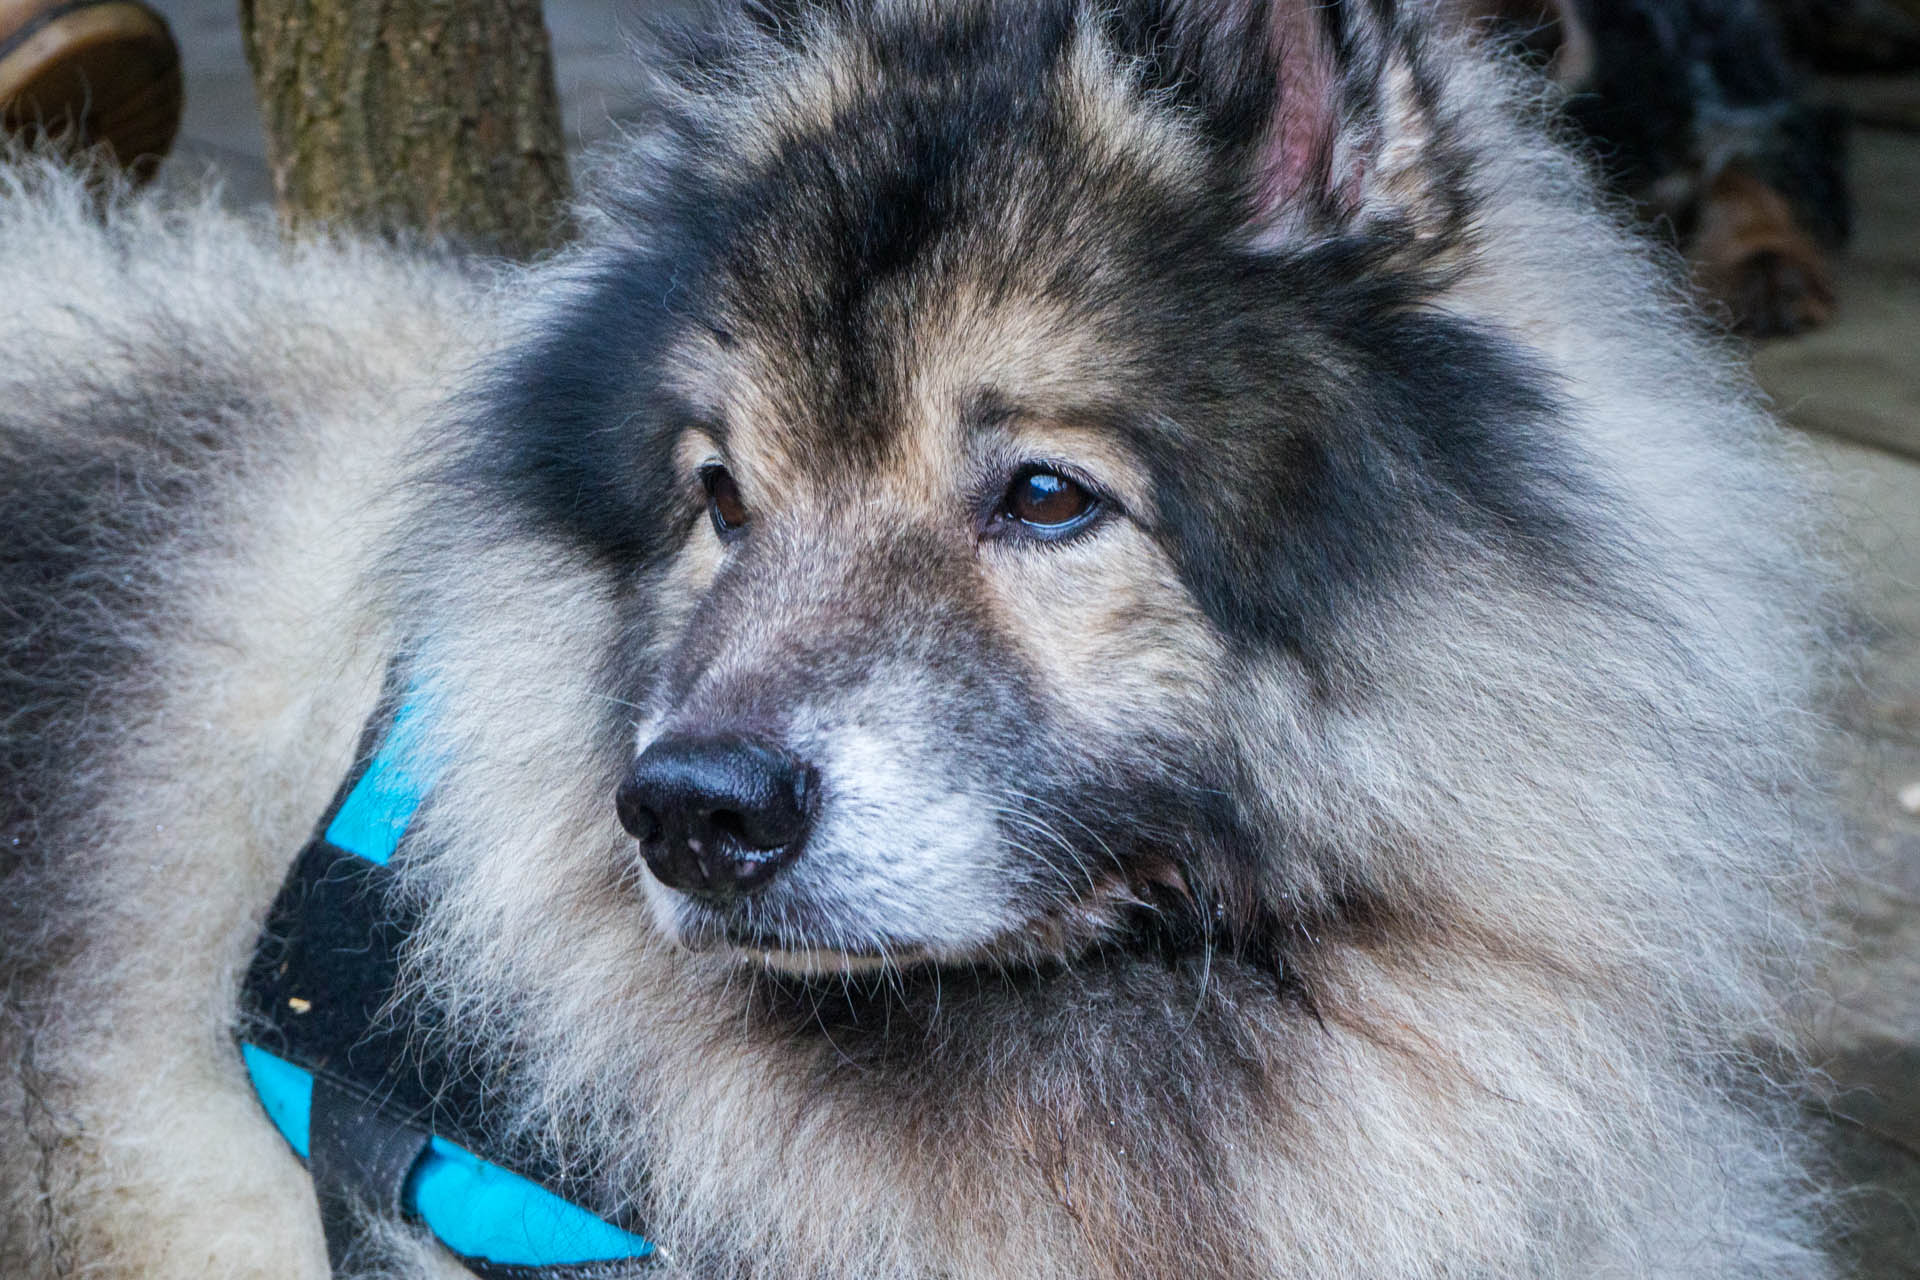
(488, 1215)
(375, 814)
(476, 1208)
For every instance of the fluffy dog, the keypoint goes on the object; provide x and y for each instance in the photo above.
(1078, 640)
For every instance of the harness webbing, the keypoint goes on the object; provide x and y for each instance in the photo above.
(387, 1121)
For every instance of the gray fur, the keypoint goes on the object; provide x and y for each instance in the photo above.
(1502, 986)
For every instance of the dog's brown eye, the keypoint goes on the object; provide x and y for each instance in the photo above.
(1048, 503)
(723, 501)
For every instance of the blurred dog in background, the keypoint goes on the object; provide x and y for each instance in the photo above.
(1693, 110)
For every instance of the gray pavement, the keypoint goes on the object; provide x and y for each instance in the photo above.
(1855, 387)
(1868, 1021)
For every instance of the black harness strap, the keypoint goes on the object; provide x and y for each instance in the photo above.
(322, 996)
(360, 1160)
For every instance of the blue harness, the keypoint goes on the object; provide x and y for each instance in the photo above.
(384, 1126)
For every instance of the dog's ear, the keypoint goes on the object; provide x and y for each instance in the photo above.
(1323, 103)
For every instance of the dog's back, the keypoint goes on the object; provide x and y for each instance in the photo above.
(200, 432)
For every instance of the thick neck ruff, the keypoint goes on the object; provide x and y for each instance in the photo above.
(387, 1124)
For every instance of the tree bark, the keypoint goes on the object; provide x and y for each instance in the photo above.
(397, 116)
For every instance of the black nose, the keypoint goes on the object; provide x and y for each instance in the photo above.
(716, 816)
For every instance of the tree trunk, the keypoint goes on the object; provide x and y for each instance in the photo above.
(399, 116)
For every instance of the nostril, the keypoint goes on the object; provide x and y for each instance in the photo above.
(639, 818)
(730, 824)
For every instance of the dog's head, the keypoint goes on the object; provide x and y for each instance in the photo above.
(1007, 421)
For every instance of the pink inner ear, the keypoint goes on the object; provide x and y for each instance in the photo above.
(1297, 159)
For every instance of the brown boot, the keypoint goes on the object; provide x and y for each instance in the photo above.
(87, 73)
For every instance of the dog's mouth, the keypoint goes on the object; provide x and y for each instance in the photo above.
(792, 939)
(800, 959)
(792, 946)
(817, 963)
